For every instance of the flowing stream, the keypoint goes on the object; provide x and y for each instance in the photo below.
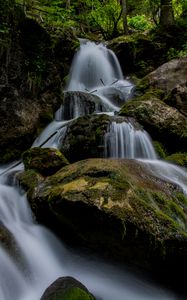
(34, 257)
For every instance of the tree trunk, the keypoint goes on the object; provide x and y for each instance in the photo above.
(68, 4)
(166, 14)
(124, 15)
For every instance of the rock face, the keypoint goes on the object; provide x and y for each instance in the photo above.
(168, 76)
(178, 98)
(46, 161)
(85, 136)
(171, 80)
(135, 53)
(31, 80)
(163, 122)
(116, 207)
(67, 288)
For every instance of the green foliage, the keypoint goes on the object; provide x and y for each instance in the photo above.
(178, 158)
(140, 23)
(106, 17)
(176, 53)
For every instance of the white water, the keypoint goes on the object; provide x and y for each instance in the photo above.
(124, 141)
(38, 258)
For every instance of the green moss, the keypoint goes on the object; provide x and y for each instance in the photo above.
(160, 149)
(178, 158)
(44, 160)
(131, 38)
(29, 180)
(73, 294)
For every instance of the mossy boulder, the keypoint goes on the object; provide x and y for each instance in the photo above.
(178, 158)
(164, 123)
(67, 288)
(85, 136)
(119, 208)
(135, 53)
(169, 75)
(46, 161)
(166, 77)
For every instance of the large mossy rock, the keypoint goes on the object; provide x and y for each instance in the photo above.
(46, 161)
(67, 288)
(116, 207)
(135, 53)
(167, 77)
(170, 79)
(164, 123)
(85, 136)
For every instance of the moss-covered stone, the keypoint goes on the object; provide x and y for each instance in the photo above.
(44, 160)
(116, 207)
(178, 158)
(135, 53)
(160, 149)
(164, 123)
(67, 288)
(85, 136)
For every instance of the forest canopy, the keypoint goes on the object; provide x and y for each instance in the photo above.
(109, 18)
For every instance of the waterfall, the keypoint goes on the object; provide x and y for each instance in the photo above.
(99, 66)
(35, 257)
(124, 141)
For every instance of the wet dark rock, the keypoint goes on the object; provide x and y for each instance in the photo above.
(46, 161)
(84, 136)
(118, 208)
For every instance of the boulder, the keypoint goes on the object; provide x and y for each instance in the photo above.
(46, 161)
(119, 208)
(67, 288)
(164, 123)
(168, 76)
(85, 136)
(135, 53)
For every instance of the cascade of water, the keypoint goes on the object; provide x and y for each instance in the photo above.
(37, 257)
(124, 141)
(96, 69)
(93, 66)
(168, 172)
